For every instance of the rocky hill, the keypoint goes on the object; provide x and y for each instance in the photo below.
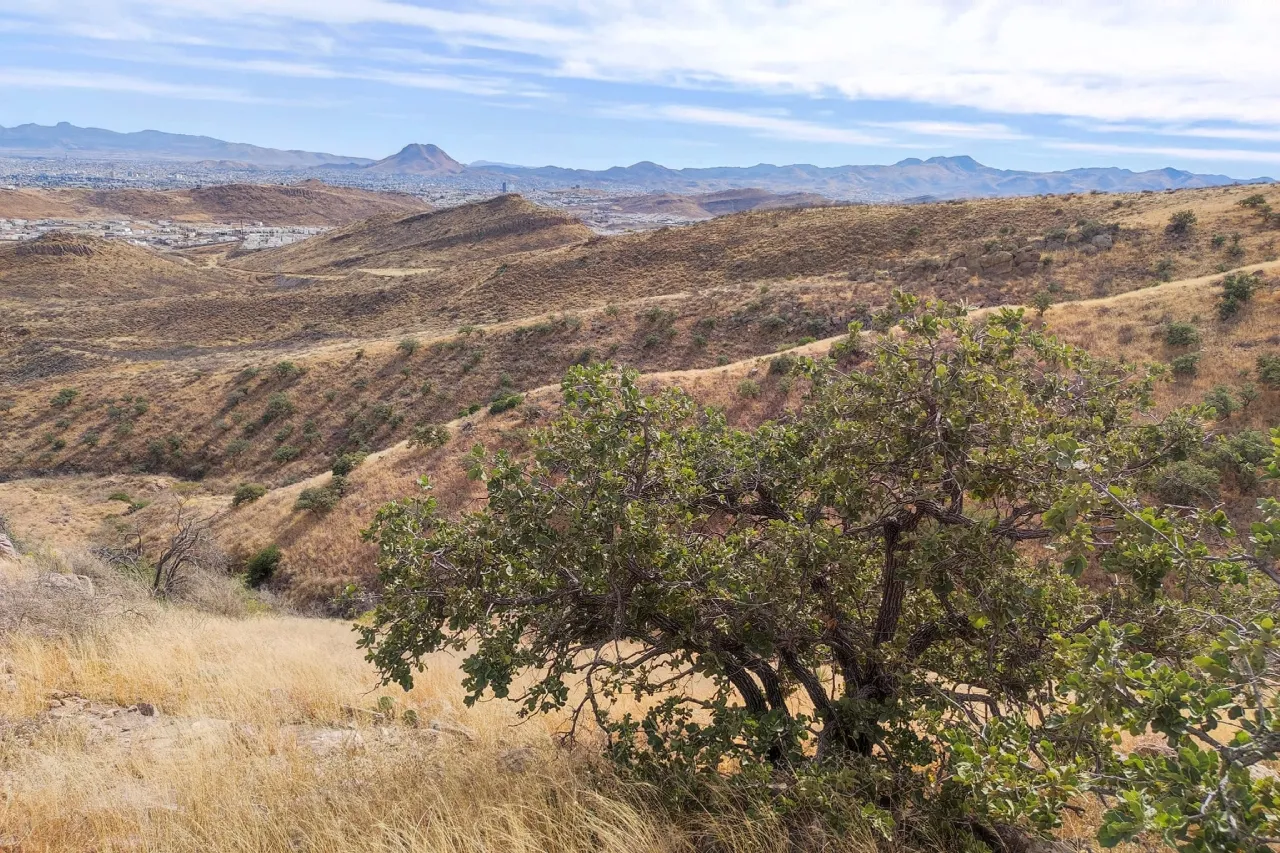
(310, 203)
(500, 226)
(417, 159)
(60, 266)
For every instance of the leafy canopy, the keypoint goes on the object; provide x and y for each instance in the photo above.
(934, 586)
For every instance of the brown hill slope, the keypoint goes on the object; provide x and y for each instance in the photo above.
(500, 226)
(417, 159)
(59, 265)
(309, 203)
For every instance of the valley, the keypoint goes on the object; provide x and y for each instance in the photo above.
(284, 396)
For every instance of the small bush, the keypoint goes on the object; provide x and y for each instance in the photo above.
(1181, 335)
(1218, 241)
(286, 453)
(1163, 269)
(1042, 302)
(64, 398)
(247, 493)
(429, 436)
(347, 462)
(1237, 289)
(1186, 365)
(1181, 222)
(408, 346)
(505, 404)
(321, 499)
(261, 566)
(1255, 200)
(1224, 405)
(278, 408)
(287, 370)
(749, 388)
(1269, 370)
(90, 438)
(236, 446)
(1185, 483)
(1241, 455)
(782, 365)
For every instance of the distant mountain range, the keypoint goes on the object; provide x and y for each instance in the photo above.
(910, 179)
(935, 178)
(93, 143)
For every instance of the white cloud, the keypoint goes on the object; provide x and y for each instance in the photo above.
(38, 78)
(1171, 62)
(952, 129)
(1241, 155)
(771, 125)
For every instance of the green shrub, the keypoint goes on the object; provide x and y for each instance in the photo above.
(1181, 335)
(782, 365)
(1185, 483)
(429, 436)
(1224, 405)
(321, 499)
(236, 446)
(347, 462)
(1042, 302)
(247, 493)
(1187, 364)
(1269, 370)
(278, 408)
(1237, 289)
(287, 370)
(505, 404)
(408, 346)
(90, 437)
(261, 566)
(1255, 200)
(749, 388)
(286, 453)
(64, 398)
(1181, 222)
(1241, 456)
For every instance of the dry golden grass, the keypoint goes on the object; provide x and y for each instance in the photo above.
(271, 734)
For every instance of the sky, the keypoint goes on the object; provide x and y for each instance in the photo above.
(595, 83)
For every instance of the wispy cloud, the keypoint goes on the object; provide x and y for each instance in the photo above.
(773, 126)
(39, 78)
(1241, 155)
(952, 129)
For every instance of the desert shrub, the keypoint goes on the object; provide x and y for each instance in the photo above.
(1237, 289)
(236, 397)
(505, 404)
(90, 437)
(1181, 222)
(1255, 200)
(838, 610)
(429, 436)
(1164, 268)
(287, 370)
(247, 493)
(1218, 241)
(347, 462)
(1185, 483)
(262, 565)
(286, 453)
(236, 446)
(749, 388)
(1224, 405)
(408, 346)
(1269, 370)
(64, 398)
(321, 499)
(782, 365)
(1042, 302)
(279, 407)
(1181, 335)
(282, 434)
(1186, 365)
(1241, 456)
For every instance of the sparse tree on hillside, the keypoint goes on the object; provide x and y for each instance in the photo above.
(871, 608)
(1181, 221)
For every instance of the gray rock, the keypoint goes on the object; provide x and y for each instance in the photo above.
(7, 551)
(998, 262)
(1103, 241)
(82, 584)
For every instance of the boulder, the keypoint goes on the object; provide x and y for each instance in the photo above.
(998, 262)
(82, 584)
(1102, 241)
(7, 551)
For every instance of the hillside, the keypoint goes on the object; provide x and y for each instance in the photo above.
(62, 266)
(501, 226)
(708, 205)
(309, 203)
(417, 159)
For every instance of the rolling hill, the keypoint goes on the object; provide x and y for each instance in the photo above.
(500, 226)
(309, 202)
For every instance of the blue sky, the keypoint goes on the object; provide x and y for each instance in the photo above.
(1032, 85)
